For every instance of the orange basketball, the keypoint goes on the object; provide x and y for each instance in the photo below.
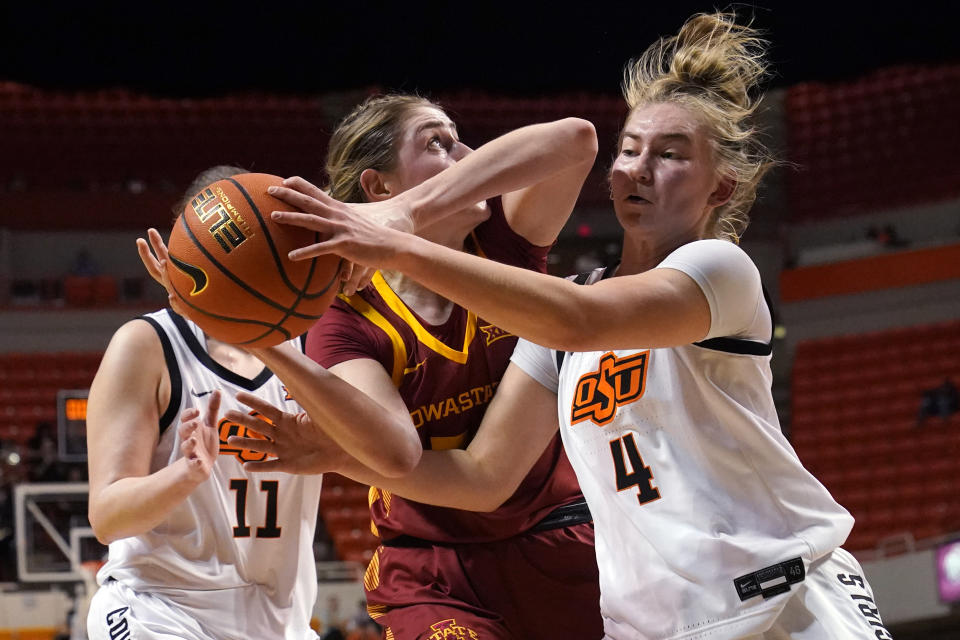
(229, 266)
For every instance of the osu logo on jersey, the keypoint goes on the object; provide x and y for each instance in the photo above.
(228, 428)
(618, 381)
(450, 630)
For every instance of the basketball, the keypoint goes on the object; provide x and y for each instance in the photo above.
(229, 266)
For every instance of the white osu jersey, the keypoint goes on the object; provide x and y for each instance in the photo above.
(687, 474)
(237, 555)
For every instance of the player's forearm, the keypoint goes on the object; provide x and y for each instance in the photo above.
(508, 163)
(452, 478)
(541, 308)
(365, 430)
(134, 505)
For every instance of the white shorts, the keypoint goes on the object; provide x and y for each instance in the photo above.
(118, 612)
(834, 602)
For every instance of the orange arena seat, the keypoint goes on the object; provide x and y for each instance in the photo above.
(855, 426)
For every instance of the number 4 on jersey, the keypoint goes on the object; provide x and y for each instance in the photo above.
(640, 477)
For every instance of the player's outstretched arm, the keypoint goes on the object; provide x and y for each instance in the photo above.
(539, 169)
(123, 417)
(479, 478)
(656, 308)
(370, 423)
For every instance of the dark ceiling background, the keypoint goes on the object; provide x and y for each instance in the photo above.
(208, 49)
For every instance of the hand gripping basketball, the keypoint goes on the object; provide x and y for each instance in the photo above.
(227, 267)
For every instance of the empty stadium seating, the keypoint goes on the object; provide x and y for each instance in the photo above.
(856, 426)
(853, 143)
(345, 512)
(28, 388)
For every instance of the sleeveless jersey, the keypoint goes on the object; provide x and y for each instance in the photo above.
(447, 375)
(237, 554)
(692, 486)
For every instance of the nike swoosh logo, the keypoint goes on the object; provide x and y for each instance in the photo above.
(412, 369)
(198, 275)
(194, 393)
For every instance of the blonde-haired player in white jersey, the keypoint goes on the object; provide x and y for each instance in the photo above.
(707, 524)
(198, 547)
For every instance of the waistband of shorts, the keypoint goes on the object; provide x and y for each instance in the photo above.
(567, 515)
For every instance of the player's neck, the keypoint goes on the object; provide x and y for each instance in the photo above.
(234, 358)
(430, 306)
(643, 254)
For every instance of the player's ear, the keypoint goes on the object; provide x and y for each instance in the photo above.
(724, 191)
(375, 185)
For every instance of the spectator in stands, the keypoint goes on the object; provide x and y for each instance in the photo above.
(886, 236)
(941, 401)
(43, 458)
(84, 264)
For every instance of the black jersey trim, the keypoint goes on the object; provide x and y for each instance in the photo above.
(741, 346)
(201, 354)
(565, 516)
(581, 278)
(176, 382)
(736, 345)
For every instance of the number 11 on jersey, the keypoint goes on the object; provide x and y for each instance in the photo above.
(640, 477)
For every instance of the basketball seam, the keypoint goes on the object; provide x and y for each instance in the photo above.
(277, 262)
(240, 283)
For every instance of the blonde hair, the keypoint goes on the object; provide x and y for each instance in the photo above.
(711, 66)
(367, 139)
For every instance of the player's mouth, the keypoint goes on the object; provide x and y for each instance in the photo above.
(637, 199)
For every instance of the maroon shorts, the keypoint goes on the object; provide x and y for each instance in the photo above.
(541, 585)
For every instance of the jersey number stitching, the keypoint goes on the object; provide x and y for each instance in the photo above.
(641, 477)
(270, 528)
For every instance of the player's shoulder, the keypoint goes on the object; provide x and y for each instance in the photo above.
(134, 350)
(710, 248)
(713, 258)
(139, 332)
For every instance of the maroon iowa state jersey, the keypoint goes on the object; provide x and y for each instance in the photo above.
(447, 375)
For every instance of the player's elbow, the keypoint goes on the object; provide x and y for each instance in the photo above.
(491, 487)
(569, 333)
(402, 459)
(104, 533)
(490, 501)
(582, 137)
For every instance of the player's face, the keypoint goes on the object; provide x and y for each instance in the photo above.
(428, 145)
(664, 182)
